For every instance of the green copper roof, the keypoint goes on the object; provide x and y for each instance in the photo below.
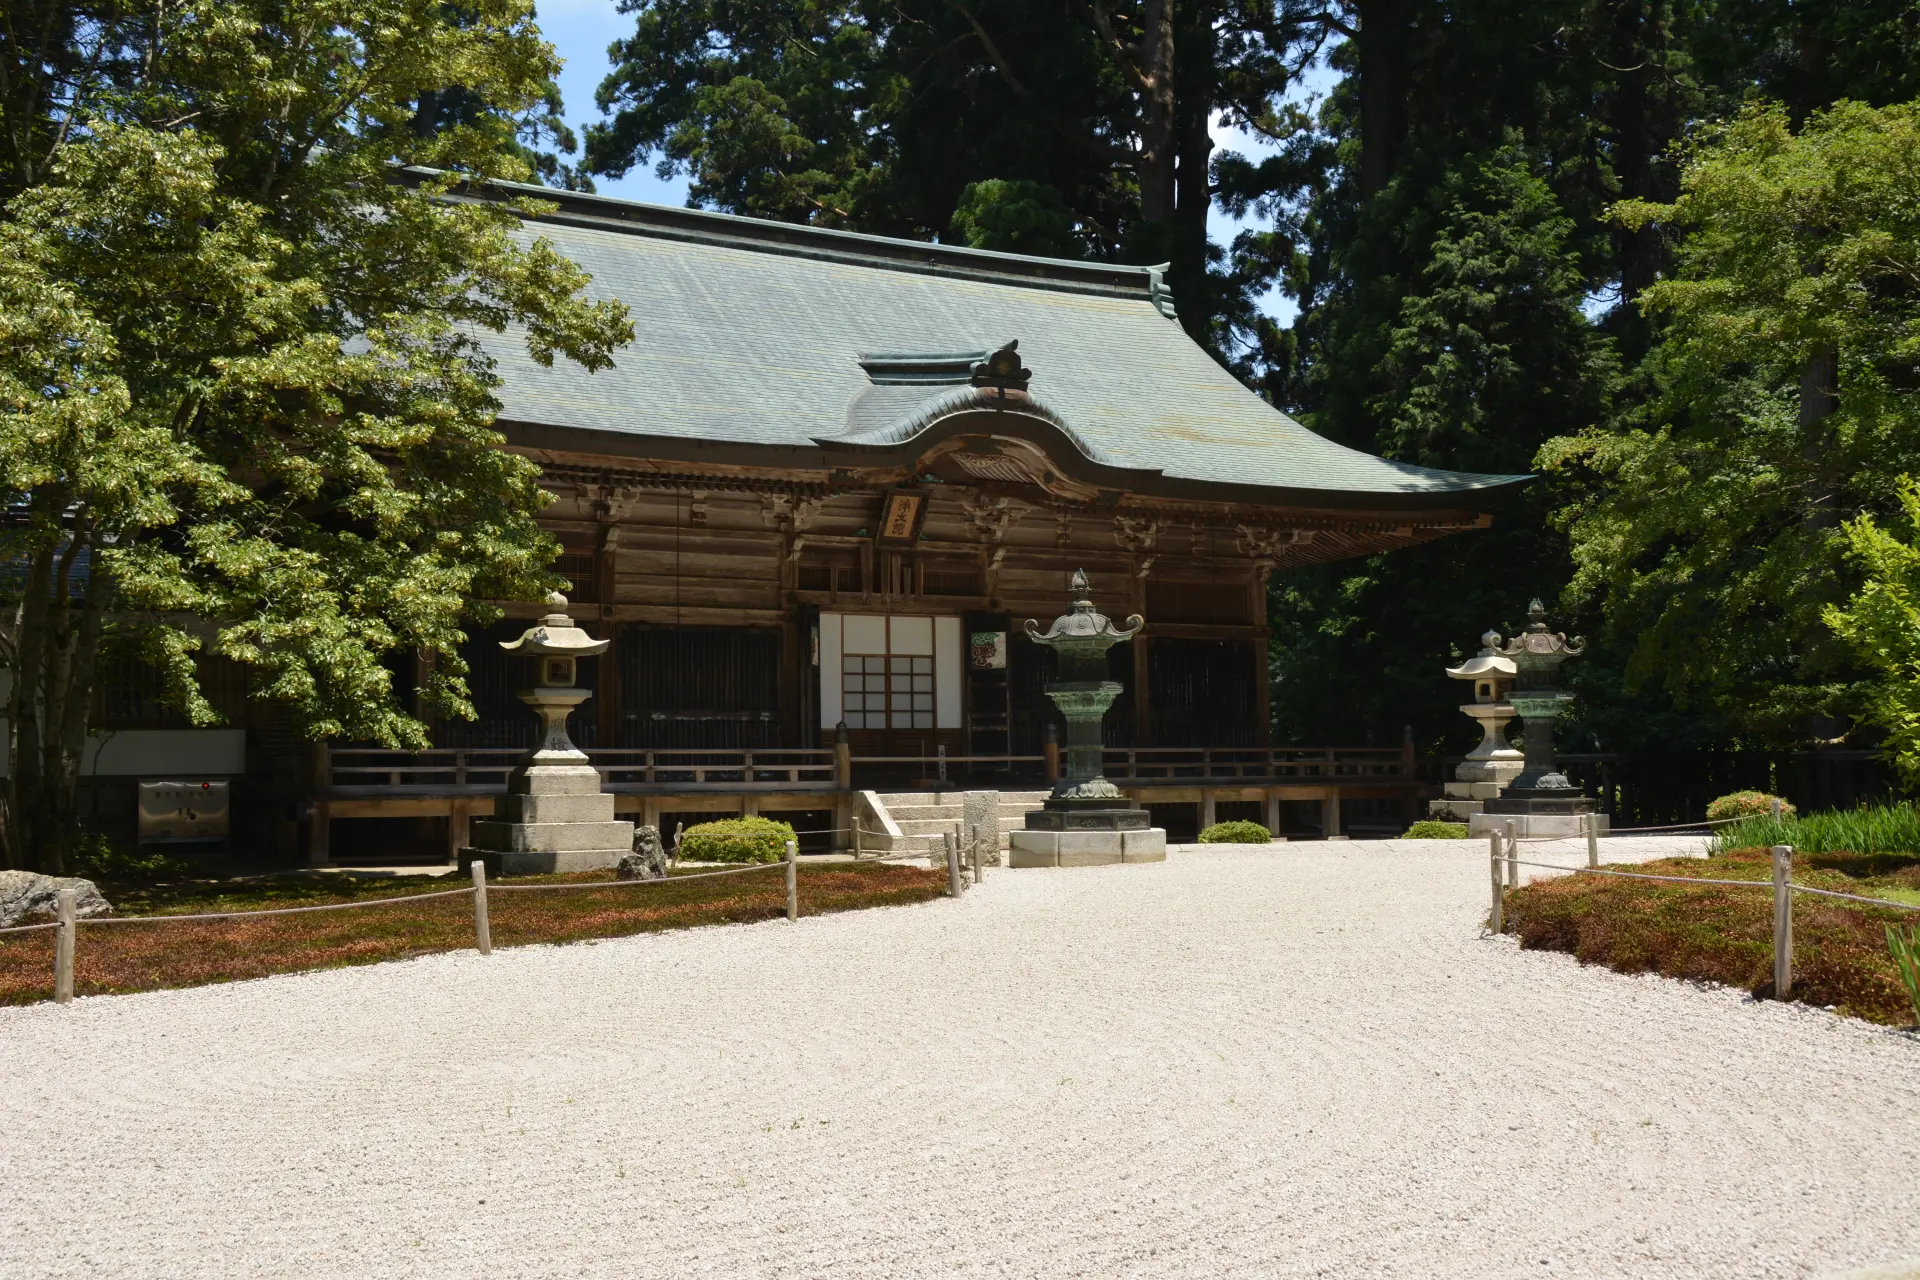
(753, 333)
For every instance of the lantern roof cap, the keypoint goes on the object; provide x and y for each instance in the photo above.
(1084, 622)
(556, 635)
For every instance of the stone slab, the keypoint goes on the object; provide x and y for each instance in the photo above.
(1526, 825)
(548, 837)
(539, 862)
(555, 780)
(549, 807)
(981, 813)
(1085, 848)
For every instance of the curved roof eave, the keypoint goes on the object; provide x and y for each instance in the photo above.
(841, 454)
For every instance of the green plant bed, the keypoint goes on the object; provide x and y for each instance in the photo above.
(1724, 933)
(1871, 830)
(749, 839)
(1428, 829)
(1236, 833)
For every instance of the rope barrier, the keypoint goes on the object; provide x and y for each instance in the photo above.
(1854, 897)
(493, 887)
(1682, 826)
(1750, 884)
(276, 911)
(30, 928)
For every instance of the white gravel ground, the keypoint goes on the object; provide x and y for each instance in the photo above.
(1294, 1060)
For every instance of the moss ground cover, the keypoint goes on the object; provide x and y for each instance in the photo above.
(1720, 933)
(144, 957)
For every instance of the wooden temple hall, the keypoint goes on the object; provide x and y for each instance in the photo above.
(815, 501)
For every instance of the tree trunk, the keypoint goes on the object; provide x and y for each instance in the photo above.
(1197, 83)
(1158, 134)
(1383, 36)
(48, 707)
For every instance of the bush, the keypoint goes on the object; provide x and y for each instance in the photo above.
(1428, 829)
(1236, 833)
(750, 839)
(1746, 804)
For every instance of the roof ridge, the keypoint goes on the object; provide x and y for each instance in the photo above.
(639, 217)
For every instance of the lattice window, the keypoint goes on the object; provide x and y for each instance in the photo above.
(878, 691)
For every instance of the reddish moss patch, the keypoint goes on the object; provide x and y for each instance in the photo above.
(145, 957)
(1719, 933)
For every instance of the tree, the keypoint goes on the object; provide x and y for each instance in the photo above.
(1786, 402)
(240, 386)
(1882, 623)
(921, 118)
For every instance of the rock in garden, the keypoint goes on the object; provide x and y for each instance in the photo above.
(27, 896)
(648, 861)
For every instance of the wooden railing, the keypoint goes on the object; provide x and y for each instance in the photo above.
(1357, 765)
(376, 771)
(373, 771)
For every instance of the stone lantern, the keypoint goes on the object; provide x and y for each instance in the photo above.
(1086, 821)
(1539, 800)
(554, 816)
(1493, 763)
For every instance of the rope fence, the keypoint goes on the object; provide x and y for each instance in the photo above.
(1781, 884)
(68, 921)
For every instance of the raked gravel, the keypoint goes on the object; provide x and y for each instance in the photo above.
(1291, 1060)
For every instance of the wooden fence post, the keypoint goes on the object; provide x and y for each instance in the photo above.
(63, 946)
(482, 925)
(1782, 921)
(793, 881)
(1513, 857)
(1493, 863)
(979, 863)
(953, 864)
(1593, 838)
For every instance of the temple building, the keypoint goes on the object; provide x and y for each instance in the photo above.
(825, 485)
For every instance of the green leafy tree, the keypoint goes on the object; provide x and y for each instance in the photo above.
(242, 410)
(1786, 402)
(1882, 623)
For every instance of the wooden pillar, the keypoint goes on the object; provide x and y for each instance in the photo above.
(1142, 712)
(1207, 809)
(1330, 813)
(605, 574)
(1273, 811)
(458, 815)
(320, 825)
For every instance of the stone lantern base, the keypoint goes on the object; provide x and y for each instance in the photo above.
(1070, 834)
(555, 818)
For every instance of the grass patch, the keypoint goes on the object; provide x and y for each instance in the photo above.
(1870, 829)
(144, 957)
(1721, 933)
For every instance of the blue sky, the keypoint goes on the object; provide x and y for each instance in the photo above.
(581, 30)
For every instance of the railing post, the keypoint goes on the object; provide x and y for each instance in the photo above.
(1592, 824)
(953, 864)
(793, 881)
(482, 927)
(63, 946)
(1513, 856)
(1782, 921)
(1493, 863)
(856, 835)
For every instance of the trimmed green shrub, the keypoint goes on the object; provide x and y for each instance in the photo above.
(1746, 804)
(1428, 829)
(1236, 833)
(752, 839)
